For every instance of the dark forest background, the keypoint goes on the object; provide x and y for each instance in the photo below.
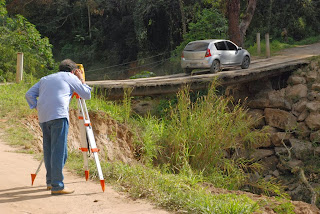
(119, 38)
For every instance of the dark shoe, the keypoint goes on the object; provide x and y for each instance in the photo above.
(63, 191)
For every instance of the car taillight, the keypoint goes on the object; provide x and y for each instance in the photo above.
(208, 54)
(182, 56)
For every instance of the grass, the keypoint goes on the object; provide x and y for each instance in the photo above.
(175, 167)
(276, 46)
(183, 193)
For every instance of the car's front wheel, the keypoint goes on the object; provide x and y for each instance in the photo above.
(245, 62)
(215, 67)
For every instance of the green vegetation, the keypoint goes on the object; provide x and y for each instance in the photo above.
(143, 74)
(110, 36)
(186, 148)
(179, 183)
(19, 35)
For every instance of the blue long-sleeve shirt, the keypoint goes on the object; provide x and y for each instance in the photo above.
(52, 94)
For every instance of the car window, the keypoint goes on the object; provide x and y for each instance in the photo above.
(231, 46)
(220, 46)
(197, 46)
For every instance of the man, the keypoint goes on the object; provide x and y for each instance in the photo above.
(51, 97)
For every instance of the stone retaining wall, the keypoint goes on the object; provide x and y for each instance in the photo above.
(289, 108)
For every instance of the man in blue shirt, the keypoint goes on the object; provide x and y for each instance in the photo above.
(51, 97)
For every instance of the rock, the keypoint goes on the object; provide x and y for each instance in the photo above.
(316, 87)
(301, 149)
(313, 106)
(315, 137)
(259, 154)
(278, 137)
(303, 115)
(281, 151)
(295, 80)
(297, 92)
(276, 173)
(312, 95)
(302, 130)
(258, 117)
(313, 121)
(269, 163)
(295, 163)
(280, 119)
(317, 150)
(271, 99)
(299, 106)
(142, 107)
(277, 100)
(311, 76)
(260, 103)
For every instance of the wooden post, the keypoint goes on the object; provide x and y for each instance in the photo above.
(258, 44)
(267, 45)
(19, 72)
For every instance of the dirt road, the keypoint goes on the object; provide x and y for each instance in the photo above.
(17, 196)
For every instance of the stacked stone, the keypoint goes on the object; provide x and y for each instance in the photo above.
(291, 114)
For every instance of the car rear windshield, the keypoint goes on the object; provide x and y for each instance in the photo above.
(197, 46)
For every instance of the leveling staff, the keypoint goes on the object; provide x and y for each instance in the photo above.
(51, 97)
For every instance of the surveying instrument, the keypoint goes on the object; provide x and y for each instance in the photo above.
(87, 143)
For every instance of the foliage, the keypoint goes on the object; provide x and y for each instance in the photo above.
(143, 74)
(275, 46)
(19, 35)
(183, 191)
(286, 19)
(198, 135)
(104, 33)
(209, 24)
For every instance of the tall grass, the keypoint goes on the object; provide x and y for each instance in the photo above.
(201, 136)
(193, 141)
(182, 193)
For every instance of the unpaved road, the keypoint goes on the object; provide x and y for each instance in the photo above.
(17, 196)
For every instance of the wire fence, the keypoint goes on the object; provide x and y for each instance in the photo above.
(158, 64)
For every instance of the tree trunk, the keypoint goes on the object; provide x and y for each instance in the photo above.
(183, 17)
(89, 19)
(247, 19)
(233, 10)
(237, 30)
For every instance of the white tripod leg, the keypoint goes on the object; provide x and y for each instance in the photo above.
(83, 141)
(91, 140)
(33, 176)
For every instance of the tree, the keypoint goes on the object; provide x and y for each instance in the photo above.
(237, 31)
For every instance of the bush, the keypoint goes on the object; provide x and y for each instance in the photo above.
(19, 35)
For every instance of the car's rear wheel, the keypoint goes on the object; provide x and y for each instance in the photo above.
(215, 67)
(187, 70)
(245, 62)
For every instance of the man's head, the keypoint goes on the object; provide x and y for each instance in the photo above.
(67, 65)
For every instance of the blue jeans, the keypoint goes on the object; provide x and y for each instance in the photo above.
(55, 151)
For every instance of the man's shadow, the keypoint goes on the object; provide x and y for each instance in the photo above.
(23, 194)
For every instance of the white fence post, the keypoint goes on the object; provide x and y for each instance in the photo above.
(19, 72)
(258, 44)
(267, 45)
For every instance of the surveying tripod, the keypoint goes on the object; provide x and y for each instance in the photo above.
(87, 139)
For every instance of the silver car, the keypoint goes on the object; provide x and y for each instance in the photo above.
(213, 54)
